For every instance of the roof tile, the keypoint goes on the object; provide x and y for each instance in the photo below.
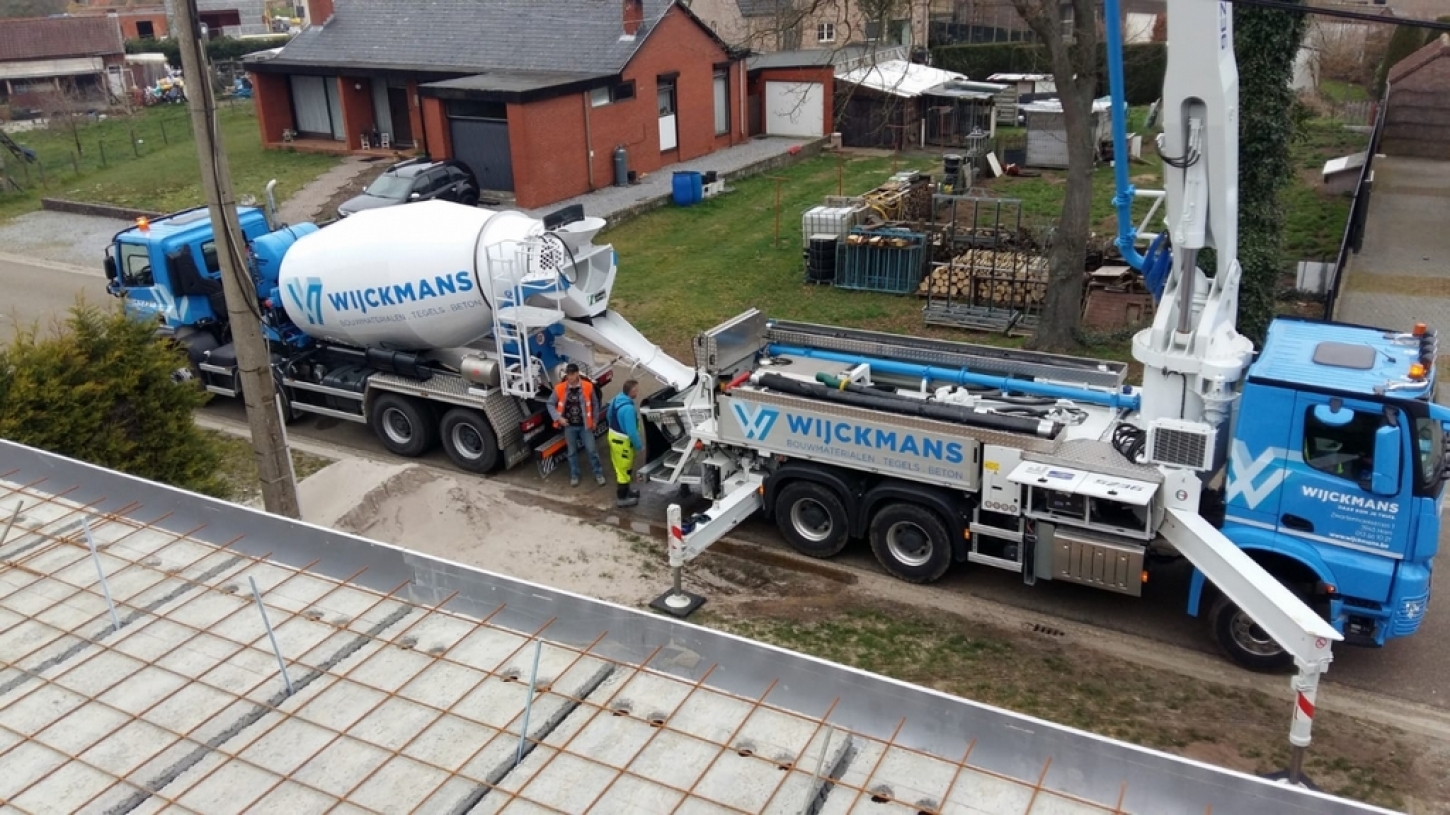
(52, 37)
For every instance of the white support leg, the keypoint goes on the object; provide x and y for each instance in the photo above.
(1306, 688)
(739, 500)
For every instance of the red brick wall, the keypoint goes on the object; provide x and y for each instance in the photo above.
(1419, 114)
(435, 126)
(547, 138)
(547, 148)
(272, 98)
(357, 108)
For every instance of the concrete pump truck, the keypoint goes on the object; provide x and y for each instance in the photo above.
(1303, 482)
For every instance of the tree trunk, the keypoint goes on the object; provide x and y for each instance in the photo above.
(1062, 309)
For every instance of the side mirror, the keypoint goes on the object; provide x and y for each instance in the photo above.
(110, 268)
(1329, 416)
(1385, 480)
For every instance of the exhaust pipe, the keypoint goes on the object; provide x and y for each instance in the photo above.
(272, 205)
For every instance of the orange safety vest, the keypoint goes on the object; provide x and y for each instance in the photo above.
(586, 395)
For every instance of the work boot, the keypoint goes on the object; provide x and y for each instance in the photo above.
(573, 480)
(599, 479)
(629, 501)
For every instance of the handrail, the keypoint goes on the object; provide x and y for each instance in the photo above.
(1358, 210)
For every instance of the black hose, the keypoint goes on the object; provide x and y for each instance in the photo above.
(911, 407)
(1130, 441)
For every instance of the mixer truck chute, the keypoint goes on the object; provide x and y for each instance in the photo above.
(432, 323)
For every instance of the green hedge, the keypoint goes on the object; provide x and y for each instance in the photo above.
(222, 49)
(1143, 64)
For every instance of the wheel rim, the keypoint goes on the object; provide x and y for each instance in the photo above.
(467, 441)
(909, 544)
(397, 426)
(1251, 638)
(811, 520)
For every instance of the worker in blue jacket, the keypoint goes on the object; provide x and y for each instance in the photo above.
(624, 441)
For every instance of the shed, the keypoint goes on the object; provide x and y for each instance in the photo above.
(1417, 122)
(889, 104)
(1018, 87)
(1046, 139)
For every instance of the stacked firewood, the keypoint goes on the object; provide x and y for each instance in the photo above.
(989, 277)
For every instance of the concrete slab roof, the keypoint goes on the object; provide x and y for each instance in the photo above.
(404, 684)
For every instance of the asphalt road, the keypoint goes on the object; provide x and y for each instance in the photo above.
(1415, 669)
(34, 293)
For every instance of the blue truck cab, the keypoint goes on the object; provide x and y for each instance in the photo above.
(1336, 469)
(167, 270)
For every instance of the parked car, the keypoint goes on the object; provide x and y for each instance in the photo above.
(419, 179)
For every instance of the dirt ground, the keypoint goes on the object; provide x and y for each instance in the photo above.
(355, 187)
(827, 614)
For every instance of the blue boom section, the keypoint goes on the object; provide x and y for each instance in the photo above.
(1123, 201)
(962, 376)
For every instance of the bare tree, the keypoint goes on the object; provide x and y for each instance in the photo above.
(1072, 50)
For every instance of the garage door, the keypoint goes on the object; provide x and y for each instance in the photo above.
(318, 110)
(483, 144)
(795, 109)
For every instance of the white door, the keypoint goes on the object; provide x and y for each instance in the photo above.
(795, 109)
(669, 126)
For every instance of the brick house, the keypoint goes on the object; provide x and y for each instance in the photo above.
(80, 60)
(1417, 121)
(766, 26)
(138, 22)
(535, 97)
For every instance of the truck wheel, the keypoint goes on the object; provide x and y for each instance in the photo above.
(405, 426)
(1243, 641)
(911, 543)
(812, 519)
(469, 440)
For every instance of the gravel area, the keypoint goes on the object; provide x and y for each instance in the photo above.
(60, 237)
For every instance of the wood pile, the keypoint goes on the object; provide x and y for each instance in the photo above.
(989, 278)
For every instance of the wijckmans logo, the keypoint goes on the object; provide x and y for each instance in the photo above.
(757, 421)
(309, 297)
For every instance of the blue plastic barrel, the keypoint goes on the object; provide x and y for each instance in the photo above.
(689, 187)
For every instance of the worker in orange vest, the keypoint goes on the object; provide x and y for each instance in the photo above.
(574, 409)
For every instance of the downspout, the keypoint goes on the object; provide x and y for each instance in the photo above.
(744, 94)
(588, 141)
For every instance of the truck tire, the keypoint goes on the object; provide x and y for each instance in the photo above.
(469, 440)
(911, 542)
(812, 519)
(405, 426)
(1242, 641)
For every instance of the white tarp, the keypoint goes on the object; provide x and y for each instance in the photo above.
(899, 77)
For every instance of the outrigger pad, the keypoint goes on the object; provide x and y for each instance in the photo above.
(685, 605)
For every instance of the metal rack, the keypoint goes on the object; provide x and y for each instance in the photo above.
(384, 702)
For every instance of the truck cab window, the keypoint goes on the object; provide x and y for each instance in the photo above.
(209, 257)
(1430, 452)
(135, 265)
(1346, 451)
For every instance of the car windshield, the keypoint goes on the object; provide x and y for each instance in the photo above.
(390, 186)
(1431, 444)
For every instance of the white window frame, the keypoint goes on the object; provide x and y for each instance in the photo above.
(721, 89)
(825, 32)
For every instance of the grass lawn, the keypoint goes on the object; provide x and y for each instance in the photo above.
(239, 465)
(160, 171)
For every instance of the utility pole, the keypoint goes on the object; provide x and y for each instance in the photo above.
(264, 414)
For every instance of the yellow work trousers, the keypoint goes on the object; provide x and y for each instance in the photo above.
(621, 455)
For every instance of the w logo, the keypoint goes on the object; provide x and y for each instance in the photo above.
(308, 298)
(755, 421)
(1242, 473)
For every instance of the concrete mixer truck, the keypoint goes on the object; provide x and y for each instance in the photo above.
(432, 323)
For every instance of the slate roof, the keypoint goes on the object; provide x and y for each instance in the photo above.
(472, 36)
(55, 37)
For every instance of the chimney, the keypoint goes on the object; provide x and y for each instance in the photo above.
(633, 16)
(319, 11)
